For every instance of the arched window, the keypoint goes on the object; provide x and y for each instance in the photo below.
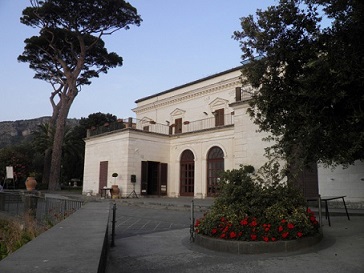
(215, 165)
(187, 173)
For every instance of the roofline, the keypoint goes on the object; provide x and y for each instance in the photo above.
(190, 83)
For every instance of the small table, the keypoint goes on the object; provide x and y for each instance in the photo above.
(325, 199)
(329, 198)
(104, 192)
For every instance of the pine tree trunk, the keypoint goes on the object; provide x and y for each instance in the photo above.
(48, 152)
(55, 171)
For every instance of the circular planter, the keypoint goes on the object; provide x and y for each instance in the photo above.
(260, 247)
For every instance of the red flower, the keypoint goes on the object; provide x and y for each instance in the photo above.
(213, 231)
(254, 223)
(244, 222)
(253, 237)
(299, 234)
(309, 210)
(280, 228)
(266, 227)
(232, 235)
(290, 225)
(222, 219)
(284, 220)
(222, 236)
(197, 223)
(273, 239)
(285, 235)
(265, 238)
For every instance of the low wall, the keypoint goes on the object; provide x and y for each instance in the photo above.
(77, 244)
(243, 247)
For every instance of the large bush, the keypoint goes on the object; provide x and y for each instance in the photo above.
(254, 207)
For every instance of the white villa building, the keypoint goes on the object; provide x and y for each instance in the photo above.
(181, 138)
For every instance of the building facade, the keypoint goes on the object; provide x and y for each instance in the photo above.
(180, 140)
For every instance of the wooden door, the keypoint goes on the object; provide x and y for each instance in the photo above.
(178, 126)
(103, 174)
(154, 178)
(163, 174)
(187, 173)
(144, 178)
(219, 117)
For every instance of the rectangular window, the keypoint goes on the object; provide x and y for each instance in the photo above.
(219, 117)
(146, 128)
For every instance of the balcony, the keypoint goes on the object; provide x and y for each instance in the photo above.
(204, 124)
(164, 129)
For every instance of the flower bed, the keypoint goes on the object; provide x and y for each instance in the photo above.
(251, 229)
(258, 207)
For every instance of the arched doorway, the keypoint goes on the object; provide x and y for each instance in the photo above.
(215, 165)
(187, 173)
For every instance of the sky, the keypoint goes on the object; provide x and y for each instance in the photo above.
(178, 42)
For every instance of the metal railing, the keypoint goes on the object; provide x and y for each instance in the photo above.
(44, 209)
(204, 124)
(154, 127)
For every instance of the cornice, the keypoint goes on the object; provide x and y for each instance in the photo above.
(188, 95)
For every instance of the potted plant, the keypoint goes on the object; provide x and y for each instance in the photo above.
(115, 191)
(31, 183)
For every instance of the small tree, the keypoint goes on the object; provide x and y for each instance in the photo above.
(69, 52)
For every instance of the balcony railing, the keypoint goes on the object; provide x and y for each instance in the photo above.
(204, 124)
(151, 126)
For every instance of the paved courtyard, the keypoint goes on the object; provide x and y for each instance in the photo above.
(157, 240)
(135, 221)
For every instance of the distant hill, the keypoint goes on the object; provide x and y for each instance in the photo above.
(16, 132)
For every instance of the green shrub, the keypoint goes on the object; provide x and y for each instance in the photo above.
(256, 207)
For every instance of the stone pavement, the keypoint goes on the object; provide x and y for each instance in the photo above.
(152, 235)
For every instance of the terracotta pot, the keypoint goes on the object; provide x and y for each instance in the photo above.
(115, 191)
(30, 183)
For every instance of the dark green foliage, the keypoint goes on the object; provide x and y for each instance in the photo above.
(23, 160)
(97, 119)
(42, 52)
(310, 78)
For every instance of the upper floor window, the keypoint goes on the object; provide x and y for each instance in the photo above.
(219, 117)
